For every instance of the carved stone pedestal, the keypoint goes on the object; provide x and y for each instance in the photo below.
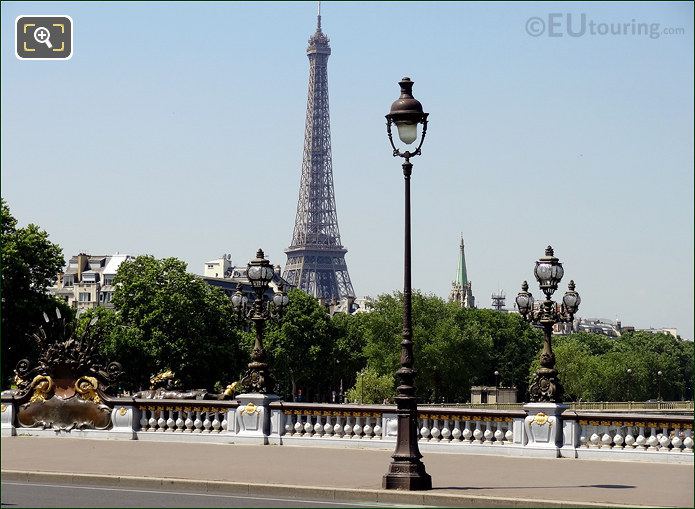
(252, 417)
(543, 427)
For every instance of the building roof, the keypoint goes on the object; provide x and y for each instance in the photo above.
(115, 262)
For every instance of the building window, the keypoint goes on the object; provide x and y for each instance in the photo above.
(84, 297)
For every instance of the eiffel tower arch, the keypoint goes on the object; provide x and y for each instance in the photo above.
(316, 257)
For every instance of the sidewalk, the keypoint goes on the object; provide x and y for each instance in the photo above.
(353, 474)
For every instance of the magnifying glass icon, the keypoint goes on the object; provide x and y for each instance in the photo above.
(43, 36)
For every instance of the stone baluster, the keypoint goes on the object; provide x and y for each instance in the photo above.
(509, 435)
(688, 441)
(641, 440)
(446, 431)
(664, 441)
(652, 440)
(338, 427)
(308, 426)
(318, 427)
(630, 437)
(606, 439)
(216, 425)
(676, 441)
(298, 425)
(367, 430)
(618, 439)
(357, 428)
(456, 432)
(328, 428)
(180, 423)
(189, 421)
(477, 433)
(197, 423)
(144, 421)
(171, 423)
(161, 422)
(425, 431)
(467, 433)
(207, 423)
(348, 427)
(499, 434)
(488, 434)
(152, 422)
(224, 423)
(435, 433)
(377, 428)
(289, 424)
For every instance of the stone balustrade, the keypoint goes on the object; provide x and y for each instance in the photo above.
(627, 436)
(582, 434)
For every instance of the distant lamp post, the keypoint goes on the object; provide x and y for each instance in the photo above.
(406, 471)
(629, 383)
(259, 273)
(546, 387)
(497, 376)
(659, 374)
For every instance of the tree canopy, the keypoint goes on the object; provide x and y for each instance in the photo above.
(30, 263)
(166, 318)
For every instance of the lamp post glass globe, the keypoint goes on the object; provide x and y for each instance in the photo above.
(571, 299)
(259, 272)
(548, 272)
(406, 112)
(524, 300)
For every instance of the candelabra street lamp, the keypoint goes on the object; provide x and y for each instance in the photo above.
(259, 273)
(406, 471)
(546, 386)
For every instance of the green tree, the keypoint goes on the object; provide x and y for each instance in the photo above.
(30, 263)
(594, 367)
(300, 347)
(167, 318)
(371, 388)
(455, 348)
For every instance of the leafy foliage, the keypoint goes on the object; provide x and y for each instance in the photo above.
(594, 367)
(371, 388)
(454, 347)
(167, 318)
(30, 263)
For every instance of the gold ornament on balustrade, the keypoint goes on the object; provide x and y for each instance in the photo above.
(122, 411)
(540, 418)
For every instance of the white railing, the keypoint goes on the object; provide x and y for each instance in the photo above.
(594, 435)
(584, 434)
(182, 419)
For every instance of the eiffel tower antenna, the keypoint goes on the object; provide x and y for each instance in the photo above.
(318, 19)
(316, 257)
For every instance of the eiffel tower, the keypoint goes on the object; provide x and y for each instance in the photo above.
(316, 258)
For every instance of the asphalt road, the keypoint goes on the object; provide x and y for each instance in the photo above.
(16, 494)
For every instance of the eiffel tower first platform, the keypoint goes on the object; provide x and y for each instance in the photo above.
(316, 258)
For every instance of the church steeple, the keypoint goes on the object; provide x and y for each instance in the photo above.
(461, 288)
(461, 274)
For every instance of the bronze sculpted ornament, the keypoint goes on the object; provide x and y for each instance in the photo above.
(66, 387)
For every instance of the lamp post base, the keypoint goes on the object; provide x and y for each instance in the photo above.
(407, 475)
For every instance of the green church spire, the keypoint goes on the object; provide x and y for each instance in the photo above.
(461, 274)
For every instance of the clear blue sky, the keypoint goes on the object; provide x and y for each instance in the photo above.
(177, 129)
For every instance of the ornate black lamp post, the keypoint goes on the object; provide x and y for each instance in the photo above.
(259, 273)
(406, 471)
(546, 387)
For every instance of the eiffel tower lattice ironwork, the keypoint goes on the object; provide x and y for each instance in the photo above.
(316, 258)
